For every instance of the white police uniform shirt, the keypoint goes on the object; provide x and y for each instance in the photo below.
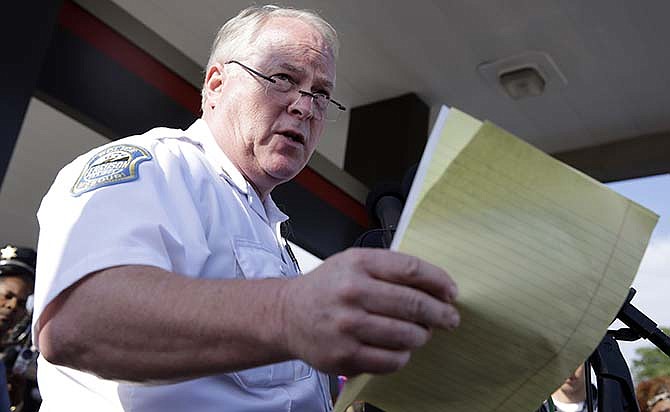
(171, 199)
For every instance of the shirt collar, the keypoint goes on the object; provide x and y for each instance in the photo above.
(200, 132)
(268, 210)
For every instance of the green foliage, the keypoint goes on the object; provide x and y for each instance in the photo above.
(652, 362)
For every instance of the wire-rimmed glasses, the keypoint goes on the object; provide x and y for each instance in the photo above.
(281, 85)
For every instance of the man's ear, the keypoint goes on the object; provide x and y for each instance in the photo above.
(214, 80)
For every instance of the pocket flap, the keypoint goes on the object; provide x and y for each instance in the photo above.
(256, 261)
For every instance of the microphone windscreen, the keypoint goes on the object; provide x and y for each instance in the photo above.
(379, 191)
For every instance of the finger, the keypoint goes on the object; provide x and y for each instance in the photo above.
(408, 304)
(370, 359)
(388, 333)
(408, 270)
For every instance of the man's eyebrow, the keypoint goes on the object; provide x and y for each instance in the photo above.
(324, 82)
(327, 84)
(292, 68)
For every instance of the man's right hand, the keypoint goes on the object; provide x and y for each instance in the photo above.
(365, 310)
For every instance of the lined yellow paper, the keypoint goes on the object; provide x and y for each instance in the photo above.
(543, 256)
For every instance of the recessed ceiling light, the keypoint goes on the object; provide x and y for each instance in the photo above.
(527, 74)
(523, 82)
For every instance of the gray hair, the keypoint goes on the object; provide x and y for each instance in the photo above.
(235, 36)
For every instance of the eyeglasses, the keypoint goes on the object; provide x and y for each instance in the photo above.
(282, 85)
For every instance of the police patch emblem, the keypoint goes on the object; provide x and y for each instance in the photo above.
(115, 164)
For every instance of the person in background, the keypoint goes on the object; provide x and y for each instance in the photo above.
(571, 395)
(653, 395)
(163, 281)
(17, 276)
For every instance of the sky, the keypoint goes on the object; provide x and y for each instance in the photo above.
(653, 278)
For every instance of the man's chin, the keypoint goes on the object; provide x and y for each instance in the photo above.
(283, 176)
(285, 170)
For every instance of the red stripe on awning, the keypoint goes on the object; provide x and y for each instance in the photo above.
(332, 195)
(92, 30)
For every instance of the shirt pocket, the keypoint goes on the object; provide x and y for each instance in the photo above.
(276, 374)
(256, 261)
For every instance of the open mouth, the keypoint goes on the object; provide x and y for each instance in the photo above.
(296, 137)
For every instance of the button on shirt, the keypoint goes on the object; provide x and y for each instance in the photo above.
(188, 211)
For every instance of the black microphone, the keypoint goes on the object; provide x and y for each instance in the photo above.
(384, 205)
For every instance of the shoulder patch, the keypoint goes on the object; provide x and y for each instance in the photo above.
(115, 164)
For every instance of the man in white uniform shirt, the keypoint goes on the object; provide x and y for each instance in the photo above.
(163, 283)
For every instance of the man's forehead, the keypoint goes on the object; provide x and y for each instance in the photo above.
(294, 30)
(297, 42)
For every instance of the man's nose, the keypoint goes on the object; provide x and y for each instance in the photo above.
(302, 106)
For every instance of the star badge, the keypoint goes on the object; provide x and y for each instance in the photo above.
(9, 252)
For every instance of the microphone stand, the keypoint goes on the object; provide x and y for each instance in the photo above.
(616, 392)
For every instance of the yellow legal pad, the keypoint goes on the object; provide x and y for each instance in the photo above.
(543, 256)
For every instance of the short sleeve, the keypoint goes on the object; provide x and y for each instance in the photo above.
(146, 220)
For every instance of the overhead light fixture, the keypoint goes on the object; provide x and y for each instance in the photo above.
(524, 75)
(523, 82)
